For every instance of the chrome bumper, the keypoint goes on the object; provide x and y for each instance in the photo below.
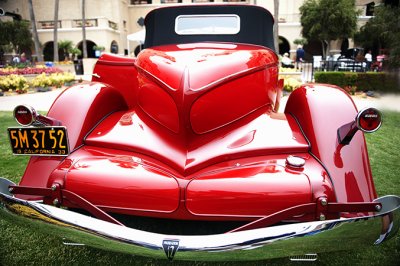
(257, 244)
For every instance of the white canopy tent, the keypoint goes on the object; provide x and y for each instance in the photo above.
(136, 37)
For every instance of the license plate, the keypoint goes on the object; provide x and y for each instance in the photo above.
(44, 141)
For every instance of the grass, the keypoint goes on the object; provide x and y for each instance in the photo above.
(11, 167)
(23, 246)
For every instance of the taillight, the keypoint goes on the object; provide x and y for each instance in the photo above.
(24, 115)
(369, 120)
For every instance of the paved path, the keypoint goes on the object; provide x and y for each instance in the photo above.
(42, 101)
(384, 102)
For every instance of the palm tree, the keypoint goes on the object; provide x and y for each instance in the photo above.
(66, 46)
(38, 49)
(55, 41)
(276, 33)
(84, 48)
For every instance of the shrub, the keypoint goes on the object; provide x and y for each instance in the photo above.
(376, 82)
(14, 83)
(55, 79)
(354, 81)
(283, 70)
(341, 79)
(19, 83)
(290, 84)
(41, 81)
(68, 77)
(291, 81)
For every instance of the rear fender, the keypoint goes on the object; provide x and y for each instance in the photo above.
(121, 73)
(79, 108)
(320, 110)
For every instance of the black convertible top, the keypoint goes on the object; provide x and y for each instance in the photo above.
(256, 25)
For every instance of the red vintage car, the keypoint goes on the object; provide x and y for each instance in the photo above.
(181, 153)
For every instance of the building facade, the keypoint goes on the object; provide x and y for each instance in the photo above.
(109, 22)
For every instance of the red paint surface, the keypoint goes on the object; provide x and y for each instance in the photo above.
(240, 189)
(254, 190)
(321, 110)
(258, 134)
(159, 136)
(119, 72)
(124, 183)
(239, 80)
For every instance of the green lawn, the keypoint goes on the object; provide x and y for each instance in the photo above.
(23, 247)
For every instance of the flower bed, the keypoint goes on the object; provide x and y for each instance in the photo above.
(291, 78)
(39, 69)
(55, 79)
(42, 82)
(14, 82)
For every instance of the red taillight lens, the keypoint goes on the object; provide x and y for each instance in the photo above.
(24, 115)
(369, 120)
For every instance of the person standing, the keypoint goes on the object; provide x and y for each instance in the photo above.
(299, 56)
(368, 58)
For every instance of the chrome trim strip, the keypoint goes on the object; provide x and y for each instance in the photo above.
(257, 244)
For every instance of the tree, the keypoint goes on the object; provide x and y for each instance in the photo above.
(328, 20)
(16, 34)
(276, 32)
(38, 49)
(300, 41)
(66, 46)
(6, 29)
(383, 32)
(22, 37)
(75, 52)
(84, 46)
(55, 29)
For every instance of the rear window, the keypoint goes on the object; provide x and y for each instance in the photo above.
(207, 24)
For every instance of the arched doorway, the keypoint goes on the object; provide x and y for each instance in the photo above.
(284, 46)
(138, 49)
(114, 47)
(48, 54)
(89, 49)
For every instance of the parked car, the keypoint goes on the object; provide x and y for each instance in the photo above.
(347, 64)
(352, 60)
(181, 153)
(353, 53)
